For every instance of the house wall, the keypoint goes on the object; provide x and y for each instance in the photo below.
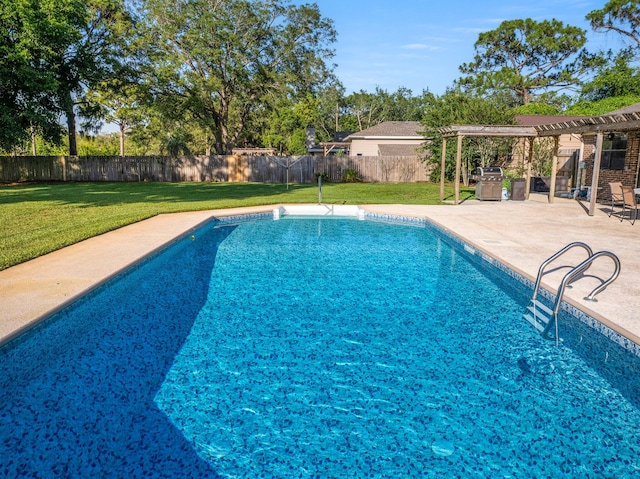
(628, 176)
(369, 147)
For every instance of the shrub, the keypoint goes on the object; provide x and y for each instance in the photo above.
(351, 176)
(324, 176)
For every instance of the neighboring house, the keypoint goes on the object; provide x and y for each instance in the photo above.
(339, 145)
(389, 138)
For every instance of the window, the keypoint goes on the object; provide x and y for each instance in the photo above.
(614, 149)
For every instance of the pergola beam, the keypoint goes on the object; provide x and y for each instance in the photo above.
(591, 125)
(512, 131)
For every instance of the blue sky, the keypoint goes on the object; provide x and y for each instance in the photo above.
(419, 44)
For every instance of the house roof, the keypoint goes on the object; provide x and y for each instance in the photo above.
(391, 129)
(386, 149)
(635, 108)
(339, 136)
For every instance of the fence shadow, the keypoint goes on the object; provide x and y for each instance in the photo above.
(92, 194)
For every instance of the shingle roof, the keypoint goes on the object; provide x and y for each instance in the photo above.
(635, 108)
(392, 129)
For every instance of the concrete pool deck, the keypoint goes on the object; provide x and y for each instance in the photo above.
(521, 235)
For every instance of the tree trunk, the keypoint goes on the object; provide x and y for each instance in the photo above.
(219, 144)
(71, 126)
(34, 151)
(123, 126)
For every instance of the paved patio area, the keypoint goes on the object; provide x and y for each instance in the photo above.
(519, 234)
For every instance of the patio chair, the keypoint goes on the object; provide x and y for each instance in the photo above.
(616, 196)
(629, 203)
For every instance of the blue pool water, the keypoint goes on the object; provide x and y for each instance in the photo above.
(314, 348)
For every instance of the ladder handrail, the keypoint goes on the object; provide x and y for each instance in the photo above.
(614, 276)
(570, 276)
(552, 258)
(573, 275)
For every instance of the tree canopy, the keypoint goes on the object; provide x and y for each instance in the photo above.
(92, 54)
(199, 76)
(616, 83)
(527, 58)
(457, 107)
(220, 61)
(361, 110)
(53, 51)
(619, 16)
(29, 32)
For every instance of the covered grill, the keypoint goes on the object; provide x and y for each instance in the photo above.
(489, 183)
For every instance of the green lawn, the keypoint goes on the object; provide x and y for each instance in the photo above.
(36, 219)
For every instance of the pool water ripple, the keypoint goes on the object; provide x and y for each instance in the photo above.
(361, 350)
(314, 348)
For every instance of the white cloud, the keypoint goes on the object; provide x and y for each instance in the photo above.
(420, 46)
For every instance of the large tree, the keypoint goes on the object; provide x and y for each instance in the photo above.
(221, 61)
(457, 107)
(30, 32)
(115, 102)
(94, 51)
(619, 16)
(52, 52)
(616, 84)
(613, 86)
(362, 109)
(526, 59)
(619, 78)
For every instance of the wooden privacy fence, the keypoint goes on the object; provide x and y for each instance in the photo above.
(259, 169)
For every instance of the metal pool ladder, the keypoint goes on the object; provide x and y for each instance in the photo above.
(545, 319)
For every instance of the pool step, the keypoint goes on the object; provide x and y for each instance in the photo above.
(538, 314)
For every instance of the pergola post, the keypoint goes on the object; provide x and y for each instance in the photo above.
(458, 168)
(442, 166)
(554, 168)
(580, 173)
(596, 173)
(527, 185)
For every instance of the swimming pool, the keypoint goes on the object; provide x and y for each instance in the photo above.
(314, 348)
